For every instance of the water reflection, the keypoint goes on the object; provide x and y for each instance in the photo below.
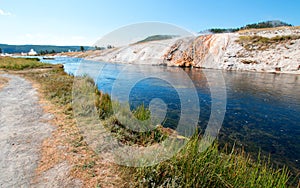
(263, 112)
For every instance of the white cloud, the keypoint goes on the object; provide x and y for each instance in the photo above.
(4, 13)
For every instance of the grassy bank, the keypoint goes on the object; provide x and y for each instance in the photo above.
(189, 168)
(262, 43)
(66, 143)
(56, 86)
(211, 168)
(9, 63)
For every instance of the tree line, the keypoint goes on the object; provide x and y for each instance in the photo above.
(260, 25)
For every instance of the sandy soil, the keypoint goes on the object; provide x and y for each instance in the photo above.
(23, 127)
(3, 82)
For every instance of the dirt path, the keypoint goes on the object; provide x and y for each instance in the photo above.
(22, 128)
(3, 82)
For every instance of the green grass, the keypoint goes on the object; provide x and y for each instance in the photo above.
(190, 167)
(211, 168)
(58, 86)
(142, 113)
(130, 137)
(103, 104)
(20, 63)
(262, 43)
(88, 97)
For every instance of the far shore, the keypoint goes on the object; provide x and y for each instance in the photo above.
(274, 51)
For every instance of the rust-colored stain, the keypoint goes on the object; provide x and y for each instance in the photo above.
(191, 54)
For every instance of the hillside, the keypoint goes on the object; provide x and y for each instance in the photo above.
(262, 50)
(157, 37)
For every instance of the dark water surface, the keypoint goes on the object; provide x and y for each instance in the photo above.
(262, 109)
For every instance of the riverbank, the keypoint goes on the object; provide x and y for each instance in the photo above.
(275, 50)
(66, 147)
(64, 159)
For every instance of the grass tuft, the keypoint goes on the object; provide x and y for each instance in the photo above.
(211, 168)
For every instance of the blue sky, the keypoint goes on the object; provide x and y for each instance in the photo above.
(74, 22)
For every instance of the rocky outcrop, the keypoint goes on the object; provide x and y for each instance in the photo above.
(272, 50)
(204, 51)
(264, 56)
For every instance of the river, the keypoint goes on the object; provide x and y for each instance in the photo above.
(262, 109)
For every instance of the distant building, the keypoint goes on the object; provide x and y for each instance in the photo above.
(6, 55)
(32, 52)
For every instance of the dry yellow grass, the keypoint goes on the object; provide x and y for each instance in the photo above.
(89, 53)
(3, 82)
(66, 144)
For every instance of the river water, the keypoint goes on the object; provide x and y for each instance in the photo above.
(262, 109)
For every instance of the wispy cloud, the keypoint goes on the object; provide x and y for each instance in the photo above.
(4, 13)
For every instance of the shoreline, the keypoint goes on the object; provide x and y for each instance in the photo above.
(256, 50)
(71, 145)
(228, 70)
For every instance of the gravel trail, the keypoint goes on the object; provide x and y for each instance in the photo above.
(23, 126)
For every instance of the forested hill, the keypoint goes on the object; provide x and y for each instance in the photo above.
(259, 25)
(5, 48)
